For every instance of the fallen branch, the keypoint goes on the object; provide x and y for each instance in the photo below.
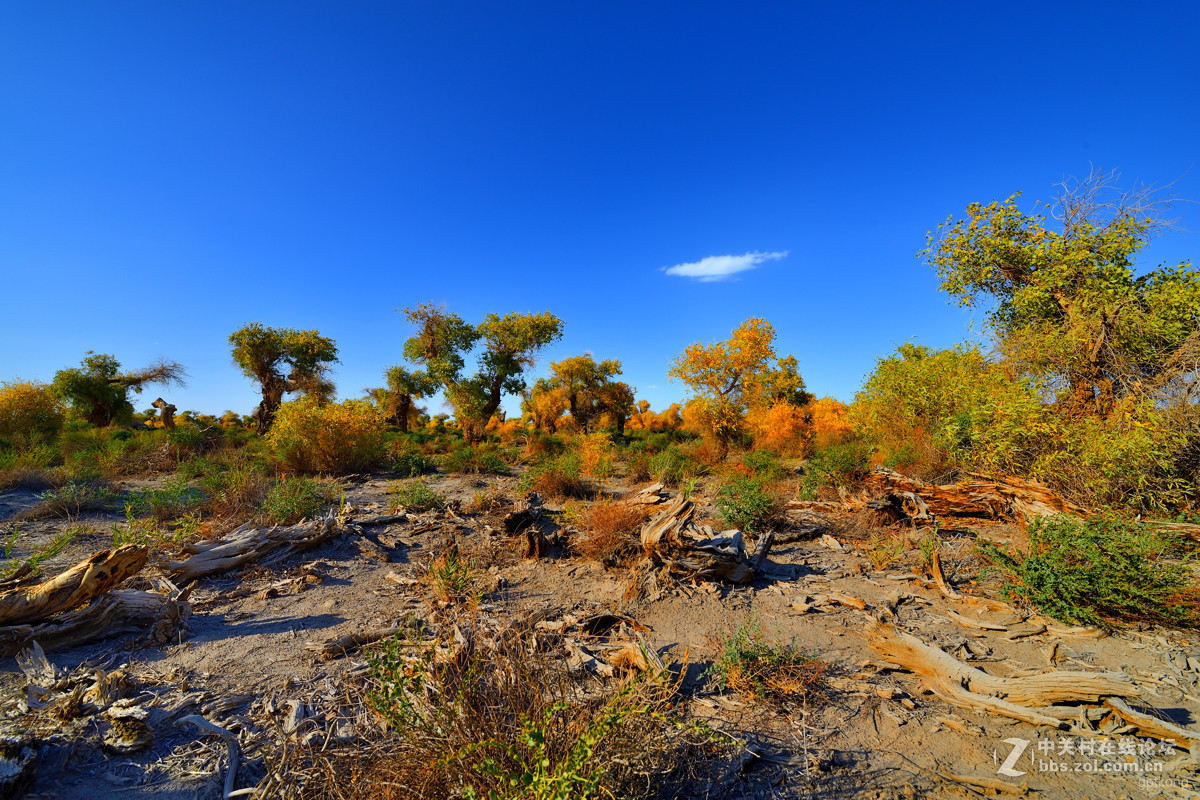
(1153, 725)
(119, 612)
(94, 576)
(248, 543)
(948, 673)
(230, 739)
(343, 645)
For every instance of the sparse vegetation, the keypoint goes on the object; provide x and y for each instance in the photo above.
(747, 503)
(1101, 571)
(415, 495)
(758, 669)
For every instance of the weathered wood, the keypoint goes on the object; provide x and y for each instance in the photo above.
(95, 575)
(945, 671)
(935, 562)
(1153, 725)
(343, 645)
(250, 542)
(982, 497)
(119, 612)
(673, 540)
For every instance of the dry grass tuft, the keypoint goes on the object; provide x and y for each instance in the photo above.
(611, 532)
(479, 713)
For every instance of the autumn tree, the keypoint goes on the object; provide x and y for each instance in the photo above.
(283, 361)
(98, 390)
(509, 345)
(727, 378)
(395, 400)
(544, 403)
(1065, 297)
(591, 391)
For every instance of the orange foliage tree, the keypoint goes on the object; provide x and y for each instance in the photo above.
(727, 379)
(830, 422)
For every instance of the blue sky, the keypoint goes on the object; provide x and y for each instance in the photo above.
(171, 171)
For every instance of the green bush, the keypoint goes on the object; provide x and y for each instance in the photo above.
(174, 499)
(765, 464)
(408, 461)
(556, 478)
(290, 500)
(746, 503)
(1100, 571)
(415, 496)
(475, 459)
(672, 466)
(843, 465)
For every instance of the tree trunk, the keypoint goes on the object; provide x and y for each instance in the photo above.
(403, 404)
(265, 413)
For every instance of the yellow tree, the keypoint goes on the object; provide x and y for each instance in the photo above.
(726, 377)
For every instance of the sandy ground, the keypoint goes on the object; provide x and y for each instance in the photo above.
(249, 652)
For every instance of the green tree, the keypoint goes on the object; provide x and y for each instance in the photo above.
(396, 399)
(282, 361)
(509, 346)
(99, 392)
(1064, 297)
(589, 389)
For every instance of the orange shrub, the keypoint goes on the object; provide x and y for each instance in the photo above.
(612, 531)
(595, 455)
(830, 423)
(781, 428)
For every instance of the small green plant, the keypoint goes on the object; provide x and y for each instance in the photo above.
(752, 666)
(836, 466)
(409, 462)
(290, 500)
(76, 497)
(883, 550)
(173, 499)
(454, 578)
(689, 488)
(415, 496)
(475, 460)
(557, 478)
(929, 545)
(747, 504)
(1099, 571)
(54, 547)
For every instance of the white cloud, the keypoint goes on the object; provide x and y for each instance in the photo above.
(719, 268)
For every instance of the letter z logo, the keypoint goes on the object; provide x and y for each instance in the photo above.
(1018, 747)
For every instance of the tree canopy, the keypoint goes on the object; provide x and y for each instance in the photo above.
(99, 392)
(1064, 297)
(281, 361)
(510, 344)
(727, 377)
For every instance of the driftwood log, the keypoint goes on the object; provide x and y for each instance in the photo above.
(162, 616)
(980, 496)
(652, 495)
(251, 542)
(1045, 689)
(1017, 698)
(673, 540)
(94, 576)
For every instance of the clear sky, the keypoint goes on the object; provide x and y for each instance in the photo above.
(172, 171)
